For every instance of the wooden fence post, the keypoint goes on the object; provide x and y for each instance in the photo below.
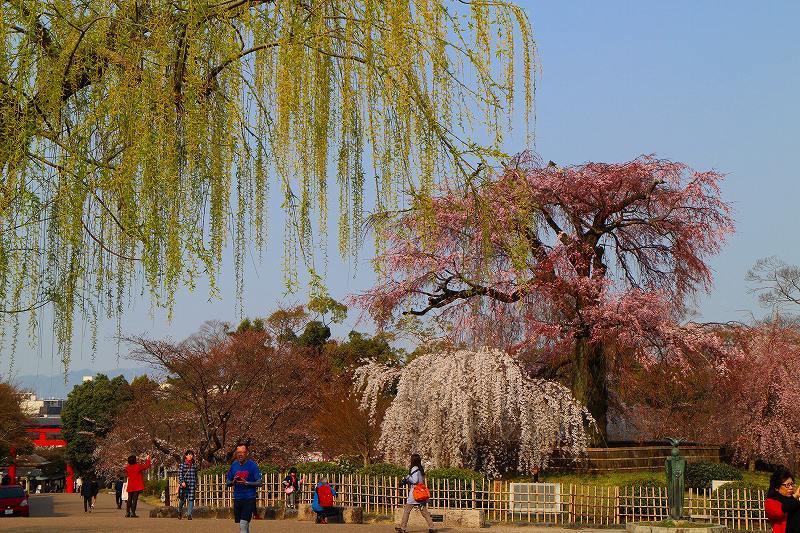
(571, 503)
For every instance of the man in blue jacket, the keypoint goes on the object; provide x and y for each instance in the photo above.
(245, 477)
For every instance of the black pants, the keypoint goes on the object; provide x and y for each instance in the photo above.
(87, 503)
(119, 499)
(133, 499)
(326, 512)
(243, 510)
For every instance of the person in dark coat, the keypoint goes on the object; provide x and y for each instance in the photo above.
(118, 491)
(95, 491)
(87, 493)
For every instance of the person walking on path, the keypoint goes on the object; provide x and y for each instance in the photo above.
(118, 491)
(95, 490)
(416, 476)
(134, 470)
(291, 486)
(86, 492)
(322, 503)
(187, 483)
(781, 506)
(244, 476)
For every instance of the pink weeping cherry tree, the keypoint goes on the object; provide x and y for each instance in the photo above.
(584, 266)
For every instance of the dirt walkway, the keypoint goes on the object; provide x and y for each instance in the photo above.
(56, 513)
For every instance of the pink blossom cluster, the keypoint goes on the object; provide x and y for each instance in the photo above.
(536, 256)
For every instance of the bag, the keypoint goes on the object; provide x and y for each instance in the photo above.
(289, 489)
(421, 493)
(325, 496)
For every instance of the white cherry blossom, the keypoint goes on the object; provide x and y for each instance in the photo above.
(474, 409)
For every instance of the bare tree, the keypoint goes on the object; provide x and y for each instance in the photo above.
(341, 427)
(218, 389)
(776, 282)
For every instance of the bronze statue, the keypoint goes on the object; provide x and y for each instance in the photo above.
(676, 470)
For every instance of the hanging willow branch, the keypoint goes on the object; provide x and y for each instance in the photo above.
(126, 125)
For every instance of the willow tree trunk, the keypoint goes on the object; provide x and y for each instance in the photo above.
(590, 384)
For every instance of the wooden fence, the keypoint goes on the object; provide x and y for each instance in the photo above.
(631, 458)
(504, 501)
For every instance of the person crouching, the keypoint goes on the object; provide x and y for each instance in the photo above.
(322, 504)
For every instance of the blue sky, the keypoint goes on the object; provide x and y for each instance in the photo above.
(714, 84)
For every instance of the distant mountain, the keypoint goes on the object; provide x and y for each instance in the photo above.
(53, 386)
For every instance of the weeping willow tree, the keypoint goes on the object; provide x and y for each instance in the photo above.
(139, 137)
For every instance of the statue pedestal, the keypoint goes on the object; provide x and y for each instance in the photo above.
(674, 526)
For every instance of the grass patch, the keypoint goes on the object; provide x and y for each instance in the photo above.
(149, 499)
(678, 523)
(756, 478)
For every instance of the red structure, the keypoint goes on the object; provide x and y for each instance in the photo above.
(46, 436)
(12, 469)
(45, 431)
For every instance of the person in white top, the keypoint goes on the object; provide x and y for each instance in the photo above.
(416, 475)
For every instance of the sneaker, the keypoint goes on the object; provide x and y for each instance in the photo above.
(189, 517)
(323, 521)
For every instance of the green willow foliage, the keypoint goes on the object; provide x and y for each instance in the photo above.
(138, 136)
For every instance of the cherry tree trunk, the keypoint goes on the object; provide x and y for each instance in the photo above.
(590, 384)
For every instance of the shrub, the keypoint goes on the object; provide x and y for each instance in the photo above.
(320, 467)
(267, 468)
(383, 469)
(222, 469)
(218, 469)
(154, 487)
(350, 465)
(699, 475)
(647, 482)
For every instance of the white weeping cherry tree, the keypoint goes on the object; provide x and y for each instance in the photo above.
(475, 409)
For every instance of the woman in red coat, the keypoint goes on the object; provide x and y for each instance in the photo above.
(782, 507)
(135, 483)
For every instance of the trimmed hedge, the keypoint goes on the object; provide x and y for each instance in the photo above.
(699, 475)
(383, 469)
(322, 467)
(222, 469)
(736, 485)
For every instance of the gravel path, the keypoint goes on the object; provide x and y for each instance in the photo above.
(56, 513)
